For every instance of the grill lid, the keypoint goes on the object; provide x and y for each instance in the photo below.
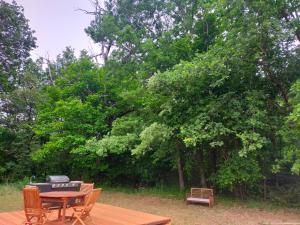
(57, 179)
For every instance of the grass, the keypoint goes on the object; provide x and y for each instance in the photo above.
(10, 193)
(162, 191)
(169, 202)
(175, 193)
(249, 203)
(10, 197)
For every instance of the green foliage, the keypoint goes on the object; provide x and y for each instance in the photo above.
(291, 134)
(237, 171)
(197, 88)
(286, 195)
(78, 108)
(115, 144)
(251, 142)
(152, 36)
(226, 94)
(16, 41)
(152, 136)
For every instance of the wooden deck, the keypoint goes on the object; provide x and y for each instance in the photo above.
(101, 214)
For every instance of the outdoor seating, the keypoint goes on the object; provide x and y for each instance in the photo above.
(34, 212)
(62, 197)
(38, 205)
(82, 212)
(201, 195)
(86, 187)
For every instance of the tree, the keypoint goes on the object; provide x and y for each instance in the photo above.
(16, 41)
(202, 92)
(290, 133)
(18, 91)
(18, 113)
(79, 106)
(159, 33)
(219, 106)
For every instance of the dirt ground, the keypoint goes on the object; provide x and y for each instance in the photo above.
(182, 214)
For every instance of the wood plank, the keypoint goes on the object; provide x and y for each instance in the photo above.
(101, 214)
(131, 216)
(9, 219)
(19, 216)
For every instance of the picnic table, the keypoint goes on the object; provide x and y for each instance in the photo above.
(63, 197)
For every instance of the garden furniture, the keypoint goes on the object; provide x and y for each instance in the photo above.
(82, 212)
(34, 211)
(62, 197)
(201, 195)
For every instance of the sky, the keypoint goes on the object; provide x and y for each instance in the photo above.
(57, 24)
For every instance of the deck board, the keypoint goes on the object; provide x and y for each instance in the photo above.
(101, 214)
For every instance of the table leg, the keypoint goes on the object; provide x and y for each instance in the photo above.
(59, 212)
(65, 201)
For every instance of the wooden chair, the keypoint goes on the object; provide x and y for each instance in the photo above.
(201, 195)
(82, 212)
(48, 206)
(86, 187)
(34, 212)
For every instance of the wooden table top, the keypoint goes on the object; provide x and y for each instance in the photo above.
(62, 194)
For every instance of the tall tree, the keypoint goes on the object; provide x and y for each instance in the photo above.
(16, 41)
(159, 33)
(18, 91)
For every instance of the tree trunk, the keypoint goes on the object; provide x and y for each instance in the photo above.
(214, 159)
(180, 173)
(265, 189)
(270, 73)
(179, 165)
(201, 168)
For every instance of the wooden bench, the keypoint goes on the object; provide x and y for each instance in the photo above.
(201, 195)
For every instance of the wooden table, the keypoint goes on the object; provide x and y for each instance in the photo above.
(63, 197)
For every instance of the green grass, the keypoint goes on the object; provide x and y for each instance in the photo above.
(10, 194)
(175, 193)
(163, 191)
(248, 203)
(10, 197)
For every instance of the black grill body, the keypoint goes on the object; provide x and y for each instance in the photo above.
(44, 187)
(58, 183)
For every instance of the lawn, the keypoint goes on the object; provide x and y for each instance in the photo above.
(223, 213)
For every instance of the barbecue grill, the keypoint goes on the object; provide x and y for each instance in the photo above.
(58, 183)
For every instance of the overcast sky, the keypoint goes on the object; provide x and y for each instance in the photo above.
(58, 24)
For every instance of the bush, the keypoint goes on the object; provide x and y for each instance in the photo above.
(286, 195)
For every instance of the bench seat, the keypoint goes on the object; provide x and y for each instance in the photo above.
(200, 200)
(201, 195)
